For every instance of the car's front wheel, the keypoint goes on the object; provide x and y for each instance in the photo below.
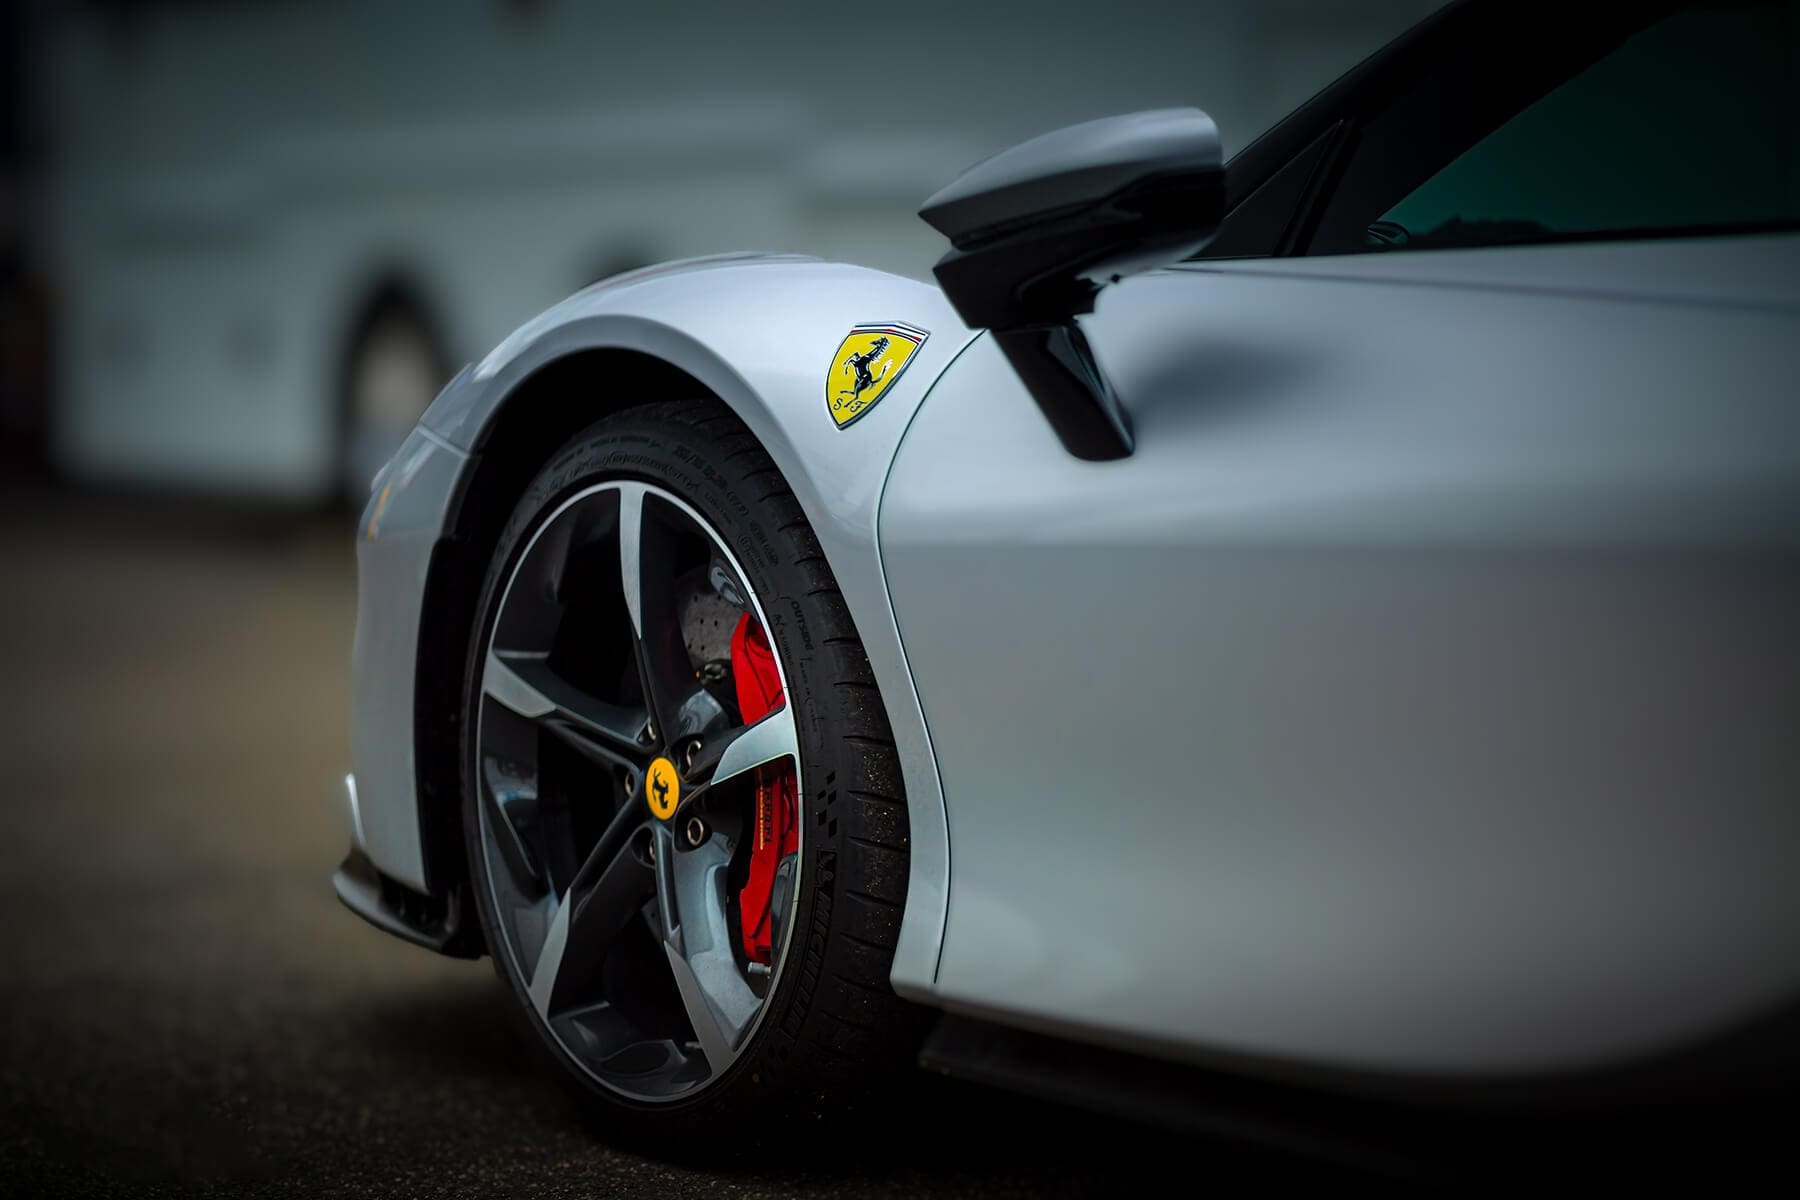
(686, 830)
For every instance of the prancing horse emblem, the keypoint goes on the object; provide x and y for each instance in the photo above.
(868, 362)
(662, 788)
(864, 379)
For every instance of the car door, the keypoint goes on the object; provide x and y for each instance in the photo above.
(1419, 696)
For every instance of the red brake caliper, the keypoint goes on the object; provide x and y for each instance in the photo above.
(773, 833)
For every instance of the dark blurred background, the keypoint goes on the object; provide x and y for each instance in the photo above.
(248, 240)
(241, 245)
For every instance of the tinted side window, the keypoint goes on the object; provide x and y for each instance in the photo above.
(1692, 124)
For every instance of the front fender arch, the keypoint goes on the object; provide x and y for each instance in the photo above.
(765, 355)
(544, 410)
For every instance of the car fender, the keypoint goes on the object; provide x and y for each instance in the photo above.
(761, 333)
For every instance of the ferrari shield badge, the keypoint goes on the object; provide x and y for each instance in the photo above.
(867, 364)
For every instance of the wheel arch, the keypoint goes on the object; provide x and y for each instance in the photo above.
(371, 296)
(376, 292)
(540, 412)
(758, 334)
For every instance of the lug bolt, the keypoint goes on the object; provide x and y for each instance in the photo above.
(693, 752)
(695, 831)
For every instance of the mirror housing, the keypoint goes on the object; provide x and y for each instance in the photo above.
(1036, 231)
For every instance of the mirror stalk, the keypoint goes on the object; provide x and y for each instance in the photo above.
(1057, 367)
(1036, 231)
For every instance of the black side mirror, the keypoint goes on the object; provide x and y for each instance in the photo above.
(1036, 231)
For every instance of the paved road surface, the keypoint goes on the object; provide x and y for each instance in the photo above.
(184, 1004)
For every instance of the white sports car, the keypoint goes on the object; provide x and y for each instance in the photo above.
(1329, 616)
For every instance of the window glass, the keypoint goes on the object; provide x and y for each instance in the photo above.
(1690, 125)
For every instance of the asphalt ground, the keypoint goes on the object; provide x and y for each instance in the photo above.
(185, 1008)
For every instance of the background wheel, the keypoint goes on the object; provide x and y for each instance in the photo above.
(686, 829)
(392, 371)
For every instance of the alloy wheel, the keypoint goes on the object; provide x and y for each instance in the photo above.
(639, 813)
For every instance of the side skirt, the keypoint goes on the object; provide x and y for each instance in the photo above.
(1181, 1099)
(1717, 1110)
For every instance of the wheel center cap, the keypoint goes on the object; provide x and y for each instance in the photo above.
(662, 789)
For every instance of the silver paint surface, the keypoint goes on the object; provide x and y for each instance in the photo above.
(1419, 698)
(406, 511)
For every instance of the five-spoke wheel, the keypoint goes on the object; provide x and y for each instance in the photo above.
(626, 793)
(686, 830)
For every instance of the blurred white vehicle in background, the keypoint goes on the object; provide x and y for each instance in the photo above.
(278, 228)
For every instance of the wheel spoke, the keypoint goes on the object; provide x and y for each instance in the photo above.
(512, 800)
(766, 740)
(606, 896)
(606, 732)
(714, 1043)
(647, 577)
(736, 753)
(697, 940)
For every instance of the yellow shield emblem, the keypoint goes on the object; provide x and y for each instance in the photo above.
(866, 365)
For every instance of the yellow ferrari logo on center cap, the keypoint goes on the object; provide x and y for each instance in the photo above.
(662, 789)
(866, 366)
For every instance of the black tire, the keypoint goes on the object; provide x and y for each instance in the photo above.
(832, 1029)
